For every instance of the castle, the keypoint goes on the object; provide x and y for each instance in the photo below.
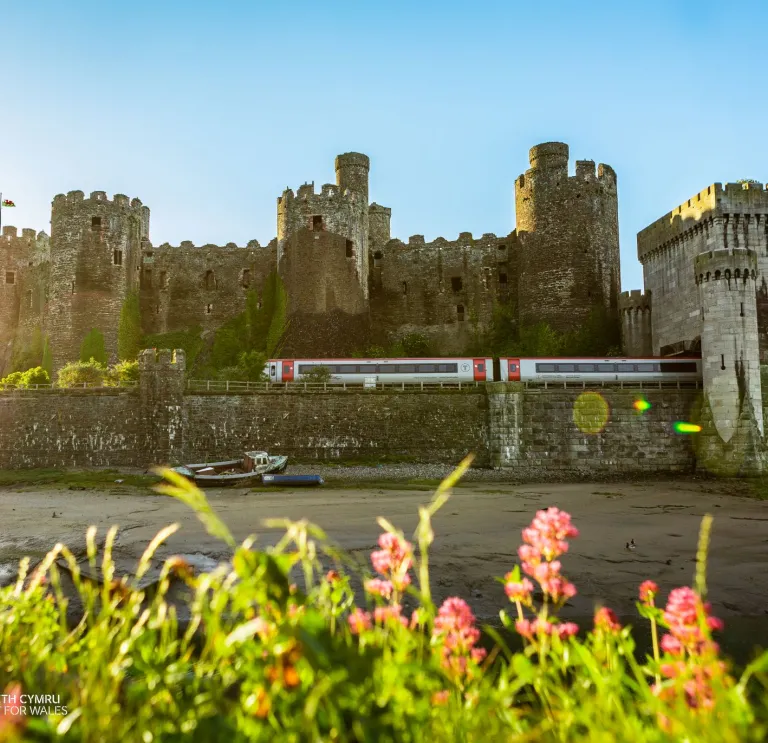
(348, 282)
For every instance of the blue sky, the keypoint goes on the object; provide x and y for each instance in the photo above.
(207, 111)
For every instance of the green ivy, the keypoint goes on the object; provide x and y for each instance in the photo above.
(47, 359)
(93, 347)
(129, 330)
(188, 340)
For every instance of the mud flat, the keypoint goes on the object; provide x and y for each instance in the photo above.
(477, 534)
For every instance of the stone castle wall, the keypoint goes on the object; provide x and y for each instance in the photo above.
(445, 290)
(720, 217)
(531, 432)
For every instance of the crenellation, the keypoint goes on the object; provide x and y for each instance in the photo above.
(10, 231)
(416, 240)
(585, 169)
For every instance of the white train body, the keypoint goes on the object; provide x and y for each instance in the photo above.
(453, 370)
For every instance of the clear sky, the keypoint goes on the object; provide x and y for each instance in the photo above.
(207, 111)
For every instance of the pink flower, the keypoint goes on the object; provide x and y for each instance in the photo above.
(478, 654)
(519, 591)
(648, 590)
(358, 621)
(383, 614)
(558, 588)
(332, 576)
(379, 587)
(671, 645)
(567, 629)
(393, 560)
(441, 697)
(524, 628)
(454, 627)
(606, 620)
(683, 615)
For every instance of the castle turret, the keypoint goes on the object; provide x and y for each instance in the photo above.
(378, 226)
(352, 173)
(635, 313)
(568, 230)
(727, 283)
(95, 262)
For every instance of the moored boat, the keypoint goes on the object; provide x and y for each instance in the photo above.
(234, 471)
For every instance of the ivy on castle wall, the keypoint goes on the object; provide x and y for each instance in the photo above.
(190, 341)
(93, 347)
(29, 354)
(129, 329)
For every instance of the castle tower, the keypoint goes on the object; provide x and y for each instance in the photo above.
(23, 278)
(95, 263)
(568, 229)
(635, 314)
(378, 226)
(727, 283)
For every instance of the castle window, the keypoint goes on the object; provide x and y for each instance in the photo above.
(350, 252)
(117, 257)
(95, 224)
(10, 277)
(503, 278)
(722, 362)
(742, 309)
(146, 278)
(73, 287)
(208, 309)
(317, 223)
(502, 247)
(210, 280)
(377, 259)
(405, 287)
(460, 312)
(456, 284)
(29, 299)
(245, 281)
(163, 279)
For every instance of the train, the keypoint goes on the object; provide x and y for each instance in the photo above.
(454, 370)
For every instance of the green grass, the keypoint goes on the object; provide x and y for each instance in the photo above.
(88, 479)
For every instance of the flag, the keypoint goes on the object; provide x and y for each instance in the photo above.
(8, 202)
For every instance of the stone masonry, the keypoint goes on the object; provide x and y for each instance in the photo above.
(358, 286)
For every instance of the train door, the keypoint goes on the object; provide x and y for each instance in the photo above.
(272, 371)
(287, 371)
(478, 366)
(513, 370)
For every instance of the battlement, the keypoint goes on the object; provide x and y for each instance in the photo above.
(416, 240)
(635, 299)
(154, 360)
(715, 200)
(375, 208)
(27, 233)
(77, 197)
(549, 156)
(189, 245)
(737, 263)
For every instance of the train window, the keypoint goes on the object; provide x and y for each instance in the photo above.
(678, 367)
(406, 368)
(513, 367)
(426, 368)
(566, 367)
(545, 367)
(625, 368)
(450, 368)
(602, 368)
(387, 368)
(645, 368)
(348, 369)
(585, 367)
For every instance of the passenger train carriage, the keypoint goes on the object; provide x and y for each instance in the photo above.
(447, 370)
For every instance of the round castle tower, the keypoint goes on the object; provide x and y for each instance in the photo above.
(95, 263)
(727, 282)
(635, 311)
(568, 231)
(341, 209)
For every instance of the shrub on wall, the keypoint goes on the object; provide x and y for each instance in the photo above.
(129, 330)
(125, 371)
(93, 347)
(29, 378)
(82, 373)
(188, 340)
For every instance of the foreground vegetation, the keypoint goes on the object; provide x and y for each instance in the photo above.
(262, 660)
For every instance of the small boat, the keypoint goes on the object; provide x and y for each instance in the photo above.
(234, 471)
(296, 480)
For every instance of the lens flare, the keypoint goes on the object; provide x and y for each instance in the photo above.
(590, 412)
(641, 405)
(681, 427)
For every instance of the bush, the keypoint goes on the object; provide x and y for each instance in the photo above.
(122, 372)
(252, 365)
(26, 379)
(264, 660)
(129, 329)
(82, 374)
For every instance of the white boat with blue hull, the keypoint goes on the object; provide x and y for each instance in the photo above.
(245, 471)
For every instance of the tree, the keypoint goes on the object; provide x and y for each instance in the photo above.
(93, 347)
(317, 375)
(129, 330)
(82, 373)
